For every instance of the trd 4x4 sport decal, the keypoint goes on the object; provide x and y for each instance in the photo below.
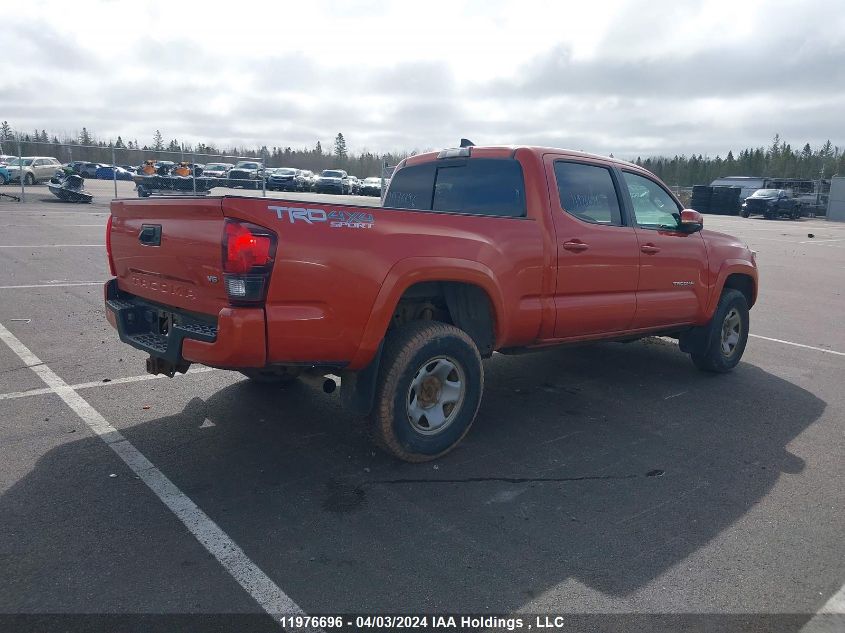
(336, 219)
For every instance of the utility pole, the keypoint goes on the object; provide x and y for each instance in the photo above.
(20, 166)
(114, 170)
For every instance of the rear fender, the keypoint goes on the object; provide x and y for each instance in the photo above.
(407, 272)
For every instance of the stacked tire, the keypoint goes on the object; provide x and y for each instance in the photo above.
(725, 200)
(702, 196)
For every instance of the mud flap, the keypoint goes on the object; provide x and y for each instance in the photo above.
(694, 339)
(358, 388)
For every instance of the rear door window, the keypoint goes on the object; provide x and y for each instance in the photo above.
(480, 186)
(588, 193)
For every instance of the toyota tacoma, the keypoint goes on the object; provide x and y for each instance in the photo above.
(475, 250)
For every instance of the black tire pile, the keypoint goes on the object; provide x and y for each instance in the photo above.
(701, 198)
(716, 200)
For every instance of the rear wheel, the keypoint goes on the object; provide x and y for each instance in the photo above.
(726, 336)
(2, 179)
(29, 179)
(429, 390)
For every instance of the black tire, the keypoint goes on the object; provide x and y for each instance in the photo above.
(744, 214)
(272, 376)
(412, 353)
(29, 179)
(711, 356)
(2, 179)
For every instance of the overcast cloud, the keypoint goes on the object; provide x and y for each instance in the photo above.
(631, 78)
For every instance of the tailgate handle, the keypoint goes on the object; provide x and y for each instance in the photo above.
(150, 234)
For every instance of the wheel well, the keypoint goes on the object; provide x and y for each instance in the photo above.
(463, 305)
(744, 284)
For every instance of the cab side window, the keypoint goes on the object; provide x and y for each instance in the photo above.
(653, 207)
(412, 188)
(588, 193)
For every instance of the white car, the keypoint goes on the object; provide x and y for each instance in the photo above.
(35, 169)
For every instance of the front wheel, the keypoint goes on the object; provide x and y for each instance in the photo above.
(29, 179)
(726, 335)
(429, 390)
(2, 179)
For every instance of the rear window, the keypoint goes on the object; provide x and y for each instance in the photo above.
(480, 186)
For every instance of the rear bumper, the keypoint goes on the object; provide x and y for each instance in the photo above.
(234, 339)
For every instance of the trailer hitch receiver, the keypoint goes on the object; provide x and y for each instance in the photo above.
(156, 366)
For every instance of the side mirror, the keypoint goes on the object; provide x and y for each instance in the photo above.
(691, 221)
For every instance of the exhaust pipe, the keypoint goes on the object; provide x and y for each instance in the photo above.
(320, 381)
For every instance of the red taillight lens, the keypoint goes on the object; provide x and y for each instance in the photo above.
(248, 254)
(246, 247)
(108, 246)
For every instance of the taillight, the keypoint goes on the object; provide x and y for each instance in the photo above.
(248, 254)
(108, 247)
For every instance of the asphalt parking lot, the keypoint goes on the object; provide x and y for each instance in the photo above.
(611, 479)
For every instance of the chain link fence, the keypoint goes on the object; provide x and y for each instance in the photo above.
(27, 166)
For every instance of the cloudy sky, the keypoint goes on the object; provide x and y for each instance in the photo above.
(622, 76)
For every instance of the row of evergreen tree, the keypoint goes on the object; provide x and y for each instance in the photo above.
(778, 160)
(86, 146)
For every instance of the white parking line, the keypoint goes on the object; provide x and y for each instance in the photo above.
(50, 245)
(40, 213)
(838, 239)
(818, 349)
(233, 559)
(64, 285)
(14, 395)
(830, 617)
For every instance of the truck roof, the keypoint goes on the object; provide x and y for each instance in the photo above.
(506, 151)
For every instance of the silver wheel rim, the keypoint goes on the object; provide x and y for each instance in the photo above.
(731, 332)
(435, 395)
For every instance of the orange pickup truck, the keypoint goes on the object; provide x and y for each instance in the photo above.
(474, 250)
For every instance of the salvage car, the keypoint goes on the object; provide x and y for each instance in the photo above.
(110, 172)
(217, 170)
(247, 174)
(35, 169)
(371, 186)
(286, 179)
(332, 181)
(476, 250)
(771, 204)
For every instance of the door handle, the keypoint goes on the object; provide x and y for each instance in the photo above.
(575, 247)
(649, 249)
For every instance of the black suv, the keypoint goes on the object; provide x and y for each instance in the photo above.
(771, 204)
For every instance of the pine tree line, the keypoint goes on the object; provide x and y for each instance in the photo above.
(86, 146)
(778, 160)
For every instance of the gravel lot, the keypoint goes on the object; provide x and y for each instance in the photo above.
(611, 479)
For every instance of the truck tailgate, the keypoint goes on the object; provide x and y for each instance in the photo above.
(169, 251)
